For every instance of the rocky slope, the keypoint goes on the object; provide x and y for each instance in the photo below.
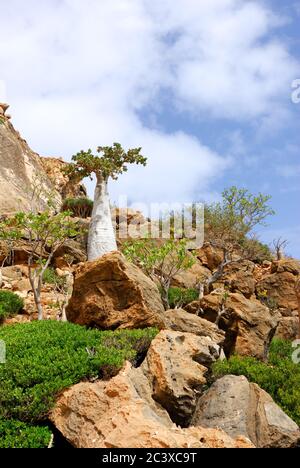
(21, 169)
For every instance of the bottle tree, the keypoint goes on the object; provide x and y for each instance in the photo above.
(109, 162)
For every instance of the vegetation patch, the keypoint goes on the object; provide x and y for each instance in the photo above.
(15, 434)
(79, 207)
(280, 377)
(180, 297)
(10, 304)
(44, 358)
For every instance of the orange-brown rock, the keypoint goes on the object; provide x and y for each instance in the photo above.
(279, 286)
(113, 415)
(239, 277)
(210, 256)
(176, 365)
(248, 324)
(182, 321)
(192, 277)
(54, 168)
(112, 293)
(288, 328)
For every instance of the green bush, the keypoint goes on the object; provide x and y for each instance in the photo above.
(79, 207)
(280, 377)
(51, 277)
(15, 434)
(10, 304)
(179, 297)
(44, 358)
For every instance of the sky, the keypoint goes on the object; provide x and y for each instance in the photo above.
(204, 87)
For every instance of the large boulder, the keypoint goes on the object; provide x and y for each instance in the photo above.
(112, 293)
(239, 277)
(239, 407)
(279, 286)
(192, 277)
(113, 415)
(177, 366)
(249, 325)
(181, 321)
(288, 328)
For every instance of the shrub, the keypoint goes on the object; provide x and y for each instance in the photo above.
(280, 377)
(10, 304)
(44, 358)
(15, 434)
(179, 297)
(51, 277)
(79, 207)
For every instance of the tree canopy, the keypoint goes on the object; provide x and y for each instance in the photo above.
(111, 161)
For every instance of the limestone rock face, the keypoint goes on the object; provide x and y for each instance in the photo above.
(239, 407)
(280, 285)
(113, 415)
(21, 168)
(176, 365)
(238, 277)
(288, 328)
(112, 293)
(182, 321)
(249, 325)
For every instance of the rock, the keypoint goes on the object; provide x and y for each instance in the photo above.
(288, 328)
(286, 265)
(21, 169)
(249, 325)
(191, 278)
(22, 285)
(177, 365)
(238, 277)
(112, 293)
(279, 286)
(72, 249)
(12, 273)
(242, 408)
(210, 256)
(113, 415)
(181, 321)
(66, 187)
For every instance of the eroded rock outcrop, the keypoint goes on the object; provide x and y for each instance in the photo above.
(279, 286)
(181, 321)
(239, 407)
(21, 169)
(112, 293)
(176, 366)
(113, 415)
(249, 325)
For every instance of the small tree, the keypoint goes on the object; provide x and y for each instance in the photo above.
(161, 262)
(45, 233)
(229, 224)
(110, 162)
(279, 247)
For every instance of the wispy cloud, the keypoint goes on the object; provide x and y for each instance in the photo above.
(79, 74)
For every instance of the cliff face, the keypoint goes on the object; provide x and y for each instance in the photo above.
(21, 169)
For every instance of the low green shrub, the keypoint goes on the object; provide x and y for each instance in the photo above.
(43, 358)
(51, 277)
(280, 377)
(179, 297)
(79, 207)
(10, 304)
(15, 434)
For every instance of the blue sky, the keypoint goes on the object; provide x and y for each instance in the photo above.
(204, 87)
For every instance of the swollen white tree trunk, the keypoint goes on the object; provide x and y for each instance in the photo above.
(102, 238)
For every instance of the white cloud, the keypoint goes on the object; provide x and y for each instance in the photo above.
(80, 72)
